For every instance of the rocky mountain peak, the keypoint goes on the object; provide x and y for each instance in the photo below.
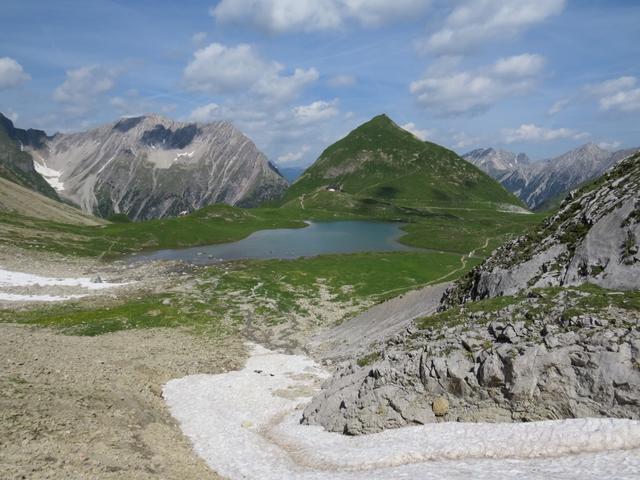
(150, 166)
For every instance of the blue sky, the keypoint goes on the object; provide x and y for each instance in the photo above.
(538, 76)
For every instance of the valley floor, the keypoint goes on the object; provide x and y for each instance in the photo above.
(91, 407)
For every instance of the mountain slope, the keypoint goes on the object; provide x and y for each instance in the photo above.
(594, 237)
(381, 161)
(539, 183)
(151, 167)
(15, 199)
(533, 333)
(17, 165)
(496, 162)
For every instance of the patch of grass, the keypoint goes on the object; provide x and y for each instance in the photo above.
(368, 359)
(147, 312)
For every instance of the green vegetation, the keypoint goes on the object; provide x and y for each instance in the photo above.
(574, 301)
(215, 224)
(380, 162)
(368, 359)
(224, 298)
(80, 318)
(17, 166)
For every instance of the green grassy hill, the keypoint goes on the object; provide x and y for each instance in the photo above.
(381, 162)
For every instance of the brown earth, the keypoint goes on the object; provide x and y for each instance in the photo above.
(91, 407)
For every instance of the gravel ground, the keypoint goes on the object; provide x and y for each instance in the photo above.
(91, 407)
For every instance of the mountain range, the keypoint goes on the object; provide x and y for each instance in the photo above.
(150, 167)
(542, 184)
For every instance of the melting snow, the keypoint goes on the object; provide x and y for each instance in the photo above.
(50, 175)
(18, 279)
(245, 424)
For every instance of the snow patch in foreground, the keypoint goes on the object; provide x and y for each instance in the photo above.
(19, 279)
(245, 424)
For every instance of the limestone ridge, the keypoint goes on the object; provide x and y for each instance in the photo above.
(539, 183)
(16, 165)
(558, 347)
(594, 237)
(152, 167)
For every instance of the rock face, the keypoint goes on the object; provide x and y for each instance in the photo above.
(496, 162)
(530, 334)
(538, 183)
(16, 164)
(152, 167)
(594, 237)
(500, 366)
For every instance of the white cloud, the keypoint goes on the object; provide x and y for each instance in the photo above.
(558, 106)
(82, 87)
(199, 38)
(529, 132)
(296, 156)
(474, 22)
(317, 111)
(464, 140)
(206, 113)
(523, 65)
(342, 81)
(618, 94)
(11, 74)
(610, 145)
(280, 16)
(450, 92)
(422, 134)
(221, 69)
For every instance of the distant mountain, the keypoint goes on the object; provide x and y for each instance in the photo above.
(16, 164)
(379, 161)
(152, 167)
(496, 162)
(540, 183)
(291, 174)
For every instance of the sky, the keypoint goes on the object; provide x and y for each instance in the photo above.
(534, 76)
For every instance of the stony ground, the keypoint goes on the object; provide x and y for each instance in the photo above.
(91, 407)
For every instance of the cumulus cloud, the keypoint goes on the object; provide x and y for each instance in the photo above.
(317, 111)
(449, 92)
(280, 16)
(83, 85)
(199, 38)
(296, 156)
(222, 69)
(474, 22)
(464, 140)
(11, 74)
(609, 145)
(529, 132)
(421, 133)
(558, 106)
(620, 94)
(342, 81)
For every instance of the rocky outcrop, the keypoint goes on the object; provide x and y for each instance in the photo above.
(16, 164)
(594, 237)
(496, 162)
(533, 359)
(151, 167)
(535, 332)
(540, 183)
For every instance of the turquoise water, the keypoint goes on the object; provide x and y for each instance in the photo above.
(316, 239)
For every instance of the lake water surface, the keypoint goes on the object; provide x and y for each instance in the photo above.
(316, 239)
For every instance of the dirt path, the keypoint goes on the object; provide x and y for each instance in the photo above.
(91, 407)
